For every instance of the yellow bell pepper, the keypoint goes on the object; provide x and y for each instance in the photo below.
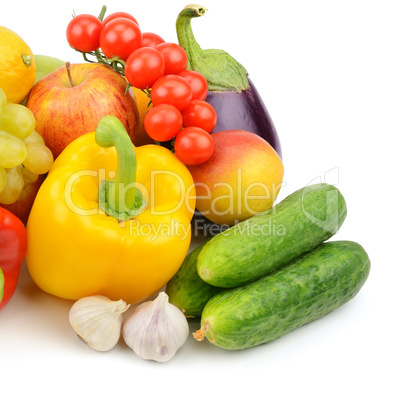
(110, 219)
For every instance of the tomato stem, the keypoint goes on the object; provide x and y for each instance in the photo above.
(99, 57)
(102, 13)
(1, 284)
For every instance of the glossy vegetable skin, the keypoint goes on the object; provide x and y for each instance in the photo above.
(186, 290)
(268, 241)
(303, 291)
(231, 92)
(244, 110)
(83, 32)
(13, 243)
(90, 231)
(119, 38)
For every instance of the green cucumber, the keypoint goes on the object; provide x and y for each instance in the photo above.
(266, 242)
(306, 289)
(186, 290)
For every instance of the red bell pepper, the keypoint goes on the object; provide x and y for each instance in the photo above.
(13, 244)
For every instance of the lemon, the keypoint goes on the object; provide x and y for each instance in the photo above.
(143, 104)
(17, 66)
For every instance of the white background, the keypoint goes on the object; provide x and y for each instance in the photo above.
(330, 74)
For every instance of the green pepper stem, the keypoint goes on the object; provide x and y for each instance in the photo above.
(119, 197)
(220, 69)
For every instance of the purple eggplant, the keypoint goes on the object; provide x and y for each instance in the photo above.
(230, 91)
(244, 110)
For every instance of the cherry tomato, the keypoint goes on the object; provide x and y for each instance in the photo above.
(199, 114)
(175, 57)
(198, 84)
(119, 14)
(83, 32)
(193, 146)
(163, 122)
(171, 89)
(119, 38)
(151, 39)
(143, 67)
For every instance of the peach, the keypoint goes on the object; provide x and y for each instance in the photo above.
(242, 179)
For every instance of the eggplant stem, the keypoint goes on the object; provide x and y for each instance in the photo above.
(185, 33)
(219, 68)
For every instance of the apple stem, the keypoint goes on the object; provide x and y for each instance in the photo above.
(119, 198)
(70, 78)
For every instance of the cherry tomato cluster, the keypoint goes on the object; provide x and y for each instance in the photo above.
(159, 68)
(180, 112)
(118, 35)
(178, 95)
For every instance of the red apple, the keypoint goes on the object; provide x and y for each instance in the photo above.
(242, 179)
(22, 207)
(70, 102)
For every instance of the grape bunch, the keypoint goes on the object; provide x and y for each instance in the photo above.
(23, 153)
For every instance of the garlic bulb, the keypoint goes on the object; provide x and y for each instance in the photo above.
(97, 321)
(156, 329)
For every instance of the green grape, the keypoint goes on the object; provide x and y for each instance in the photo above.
(3, 100)
(13, 186)
(39, 158)
(13, 150)
(17, 120)
(2, 178)
(34, 137)
(28, 176)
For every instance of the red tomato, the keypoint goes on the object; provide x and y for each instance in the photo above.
(83, 32)
(199, 114)
(163, 122)
(175, 57)
(151, 39)
(143, 67)
(171, 89)
(119, 38)
(198, 84)
(119, 14)
(193, 146)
